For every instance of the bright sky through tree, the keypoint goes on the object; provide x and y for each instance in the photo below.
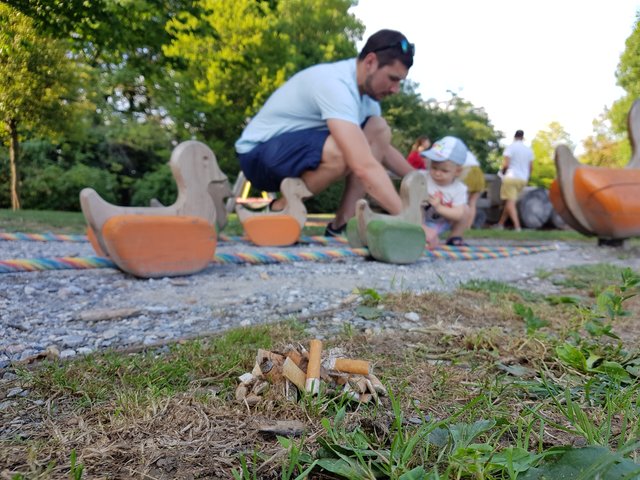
(527, 62)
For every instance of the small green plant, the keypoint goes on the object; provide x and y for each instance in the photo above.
(76, 468)
(533, 322)
(370, 297)
(296, 460)
(247, 471)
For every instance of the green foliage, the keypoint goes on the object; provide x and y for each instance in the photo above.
(37, 85)
(251, 48)
(76, 468)
(410, 117)
(533, 322)
(628, 75)
(36, 76)
(584, 463)
(544, 145)
(605, 148)
(158, 184)
(54, 188)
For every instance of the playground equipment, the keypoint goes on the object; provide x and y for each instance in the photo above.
(598, 201)
(278, 228)
(172, 240)
(393, 238)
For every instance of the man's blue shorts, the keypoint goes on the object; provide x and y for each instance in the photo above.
(287, 155)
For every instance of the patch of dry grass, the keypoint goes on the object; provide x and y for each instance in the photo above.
(470, 346)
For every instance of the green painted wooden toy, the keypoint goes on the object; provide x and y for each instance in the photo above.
(395, 241)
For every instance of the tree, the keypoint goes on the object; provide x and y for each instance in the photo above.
(249, 48)
(410, 116)
(544, 146)
(36, 84)
(605, 148)
(628, 77)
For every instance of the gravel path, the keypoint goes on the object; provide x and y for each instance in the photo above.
(74, 312)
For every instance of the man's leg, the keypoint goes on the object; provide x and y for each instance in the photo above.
(510, 208)
(378, 134)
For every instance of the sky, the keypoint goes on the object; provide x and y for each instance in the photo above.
(526, 62)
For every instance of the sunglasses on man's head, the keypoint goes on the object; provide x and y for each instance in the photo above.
(403, 44)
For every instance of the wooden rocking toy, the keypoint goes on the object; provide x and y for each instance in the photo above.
(393, 238)
(178, 239)
(278, 228)
(598, 201)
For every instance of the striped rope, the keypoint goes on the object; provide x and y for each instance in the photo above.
(443, 252)
(43, 237)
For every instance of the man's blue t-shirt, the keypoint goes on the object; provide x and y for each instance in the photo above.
(307, 100)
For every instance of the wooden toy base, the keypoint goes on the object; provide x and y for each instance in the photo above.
(353, 235)
(159, 246)
(272, 230)
(395, 242)
(609, 200)
(93, 240)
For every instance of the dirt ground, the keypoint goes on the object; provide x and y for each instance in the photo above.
(461, 340)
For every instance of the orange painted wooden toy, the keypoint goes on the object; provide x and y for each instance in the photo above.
(598, 201)
(201, 184)
(159, 246)
(280, 228)
(164, 240)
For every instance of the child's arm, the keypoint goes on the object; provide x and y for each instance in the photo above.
(453, 213)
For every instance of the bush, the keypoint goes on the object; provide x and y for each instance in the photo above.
(327, 201)
(54, 188)
(158, 184)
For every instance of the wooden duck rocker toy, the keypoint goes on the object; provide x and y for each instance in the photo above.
(172, 240)
(398, 238)
(599, 201)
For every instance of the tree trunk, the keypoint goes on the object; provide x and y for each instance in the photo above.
(534, 207)
(13, 156)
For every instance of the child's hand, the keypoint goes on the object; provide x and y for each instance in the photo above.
(435, 199)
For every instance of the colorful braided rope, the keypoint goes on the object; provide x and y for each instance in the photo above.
(43, 237)
(443, 252)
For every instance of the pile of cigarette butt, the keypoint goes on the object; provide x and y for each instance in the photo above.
(297, 370)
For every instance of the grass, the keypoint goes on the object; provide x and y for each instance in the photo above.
(40, 221)
(479, 391)
(495, 383)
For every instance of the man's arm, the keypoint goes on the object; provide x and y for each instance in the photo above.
(395, 162)
(361, 162)
(505, 164)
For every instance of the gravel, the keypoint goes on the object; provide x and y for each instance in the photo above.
(74, 312)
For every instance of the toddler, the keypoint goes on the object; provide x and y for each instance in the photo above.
(447, 195)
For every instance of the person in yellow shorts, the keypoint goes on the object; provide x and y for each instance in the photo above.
(473, 178)
(516, 168)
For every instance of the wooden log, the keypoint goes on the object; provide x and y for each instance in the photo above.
(534, 207)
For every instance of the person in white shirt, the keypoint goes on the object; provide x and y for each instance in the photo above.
(324, 124)
(516, 170)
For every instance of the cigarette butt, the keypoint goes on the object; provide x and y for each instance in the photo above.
(365, 397)
(377, 384)
(358, 384)
(291, 372)
(347, 365)
(313, 369)
(295, 356)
